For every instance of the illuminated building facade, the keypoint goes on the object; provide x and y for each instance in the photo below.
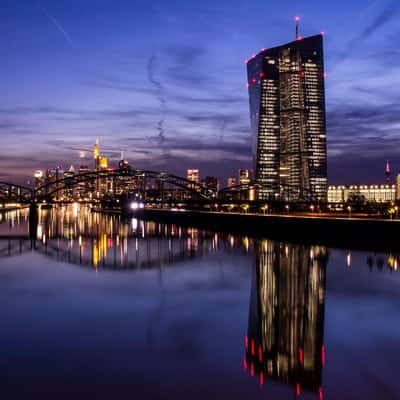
(231, 181)
(211, 183)
(70, 190)
(244, 176)
(286, 317)
(397, 187)
(193, 175)
(372, 193)
(54, 175)
(39, 181)
(287, 113)
(84, 190)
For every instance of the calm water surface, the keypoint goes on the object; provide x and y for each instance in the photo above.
(102, 307)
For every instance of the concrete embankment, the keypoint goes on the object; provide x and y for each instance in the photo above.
(355, 233)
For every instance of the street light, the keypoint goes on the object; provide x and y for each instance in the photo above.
(349, 210)
(287, 207)
(312, 208)
(396, 209)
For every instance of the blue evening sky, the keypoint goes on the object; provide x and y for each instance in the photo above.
(165, 82)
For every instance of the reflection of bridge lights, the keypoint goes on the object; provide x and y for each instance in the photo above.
(134, 224)
(135, 205)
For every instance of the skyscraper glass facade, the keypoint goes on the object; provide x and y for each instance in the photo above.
(287, 113)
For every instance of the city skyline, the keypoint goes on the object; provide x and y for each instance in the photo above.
(69, 78)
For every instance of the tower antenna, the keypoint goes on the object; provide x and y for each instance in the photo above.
(387, 172)
(297, 19)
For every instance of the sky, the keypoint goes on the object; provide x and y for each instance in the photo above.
(164, 81)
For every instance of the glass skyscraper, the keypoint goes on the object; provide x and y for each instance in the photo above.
(287, 112)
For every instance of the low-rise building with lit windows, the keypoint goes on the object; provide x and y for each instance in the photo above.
(376, 193)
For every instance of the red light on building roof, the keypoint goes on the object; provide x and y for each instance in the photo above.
(299, 38)
(253, 56)
(254, 80)
(263, 49)
(302, 73)
(297, 18)
(247, 84)
(246, 61)
(325, 74)
(262, 74)
(322, 33)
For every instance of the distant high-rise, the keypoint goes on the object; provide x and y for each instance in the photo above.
(244, 176)
(287, 112)
(193, 175)
(39, 181)
(211, 183)
(231, 181)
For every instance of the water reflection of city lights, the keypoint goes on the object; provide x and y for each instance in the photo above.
(348, 259)
(134, 224)
(75, 209)
(39, 233)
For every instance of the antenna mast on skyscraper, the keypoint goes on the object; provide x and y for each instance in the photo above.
(297, 19)
(387, 172)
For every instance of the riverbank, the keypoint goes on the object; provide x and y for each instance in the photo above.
(340, 232)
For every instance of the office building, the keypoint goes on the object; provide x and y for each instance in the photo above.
(371, 193)
(231, 182)
(244, 176)
(211, 183)
(69, 191)
(287, 113)
(193, 175)
(39, 181)
(55, 175)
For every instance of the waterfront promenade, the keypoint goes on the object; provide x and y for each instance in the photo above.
(343, 232)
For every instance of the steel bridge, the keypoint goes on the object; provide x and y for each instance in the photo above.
(91, 181)
(142, 183)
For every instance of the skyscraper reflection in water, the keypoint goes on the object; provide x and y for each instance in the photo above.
(286, 317)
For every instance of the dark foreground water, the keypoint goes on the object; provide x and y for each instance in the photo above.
(98, 307)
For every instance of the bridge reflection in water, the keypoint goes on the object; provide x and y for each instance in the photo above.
(106, 241)
(286, 318)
